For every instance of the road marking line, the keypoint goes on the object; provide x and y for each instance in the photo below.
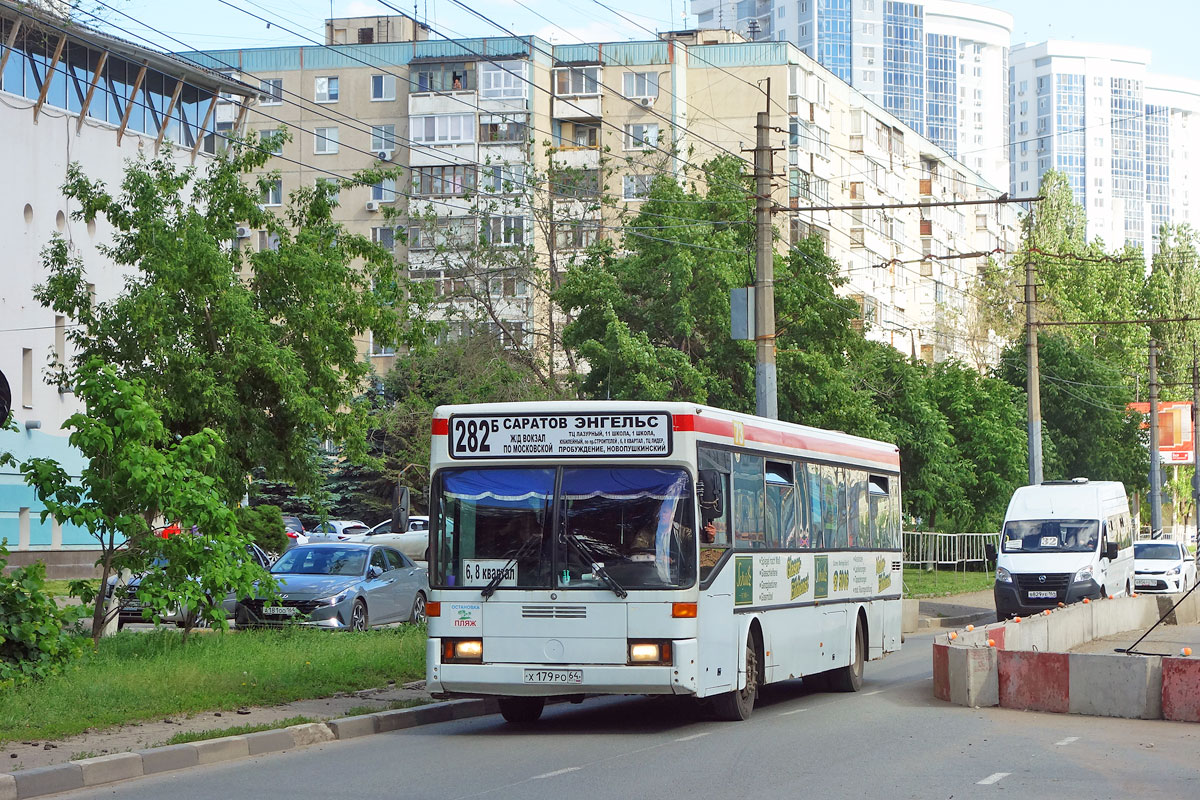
(1067, 741)
(993, 778)
(555, 773)
(877, 691)
(693, 736)
(793, 711)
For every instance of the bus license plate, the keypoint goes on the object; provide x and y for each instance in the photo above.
(565, 676)
(1042, 594)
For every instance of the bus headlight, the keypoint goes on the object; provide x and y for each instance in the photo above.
(1003, 575)
(649, 652)
(462, 651)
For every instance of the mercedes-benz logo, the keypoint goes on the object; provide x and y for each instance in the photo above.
(1041, 579)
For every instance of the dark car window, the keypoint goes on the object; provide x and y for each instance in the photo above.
(378, 560)
(354, 530)
(396, 558)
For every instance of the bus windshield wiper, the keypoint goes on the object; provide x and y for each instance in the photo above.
(490, 589)
(597, 567)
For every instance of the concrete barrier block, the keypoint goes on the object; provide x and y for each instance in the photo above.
(1165, 602)
(165, 759)
(1034, 681)
(226, 748)
(106, 769)
(973, 677)
(1190, 609)
(1068, 627)
(1181, 689)
(941, 671)
(269, 742)
(1031, 633)
(910, 616)
(48, 780)
(8, 787)
(353, 727)
(310, 733)
(1104, 685)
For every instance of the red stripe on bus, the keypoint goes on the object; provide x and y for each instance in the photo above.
(719, 427)
(441, 427)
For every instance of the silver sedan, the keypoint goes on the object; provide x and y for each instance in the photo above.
(341, 586)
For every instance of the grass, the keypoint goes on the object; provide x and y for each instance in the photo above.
(142, 676)
(938, 583)
(62, 588)
(183, 737)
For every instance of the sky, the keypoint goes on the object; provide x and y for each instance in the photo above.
(1164, 27)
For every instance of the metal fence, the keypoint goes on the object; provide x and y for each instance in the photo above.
(928, 550)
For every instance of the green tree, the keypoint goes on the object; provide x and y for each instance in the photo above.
(35, 634)
(138, 473)
(1172, 291)
(259, 347)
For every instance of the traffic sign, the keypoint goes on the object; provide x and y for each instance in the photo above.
(5, 398)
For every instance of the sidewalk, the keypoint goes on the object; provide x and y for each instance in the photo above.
(957, 610)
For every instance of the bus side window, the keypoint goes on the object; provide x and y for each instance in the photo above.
(748, 490)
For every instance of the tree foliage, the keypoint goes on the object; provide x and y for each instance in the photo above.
(36, 640)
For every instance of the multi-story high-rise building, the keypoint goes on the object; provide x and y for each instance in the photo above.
(516, 154)
(1122, 136)
(72, 95)
(940, 66)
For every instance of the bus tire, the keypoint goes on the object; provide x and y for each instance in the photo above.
(737, 705)
(521, 710)
(849, 678)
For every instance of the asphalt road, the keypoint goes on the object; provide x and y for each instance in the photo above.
(891, 740)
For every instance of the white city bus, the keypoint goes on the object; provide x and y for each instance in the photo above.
(586, 548)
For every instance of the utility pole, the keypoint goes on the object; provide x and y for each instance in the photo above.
(765, 379)
(1155, 465)
(1033, 388)
(1195, 441)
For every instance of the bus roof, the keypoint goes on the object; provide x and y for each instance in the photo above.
(709, 424)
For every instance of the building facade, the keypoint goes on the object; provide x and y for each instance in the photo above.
(1121, 134)
(940, 66)
(72, 95)
(542, 149)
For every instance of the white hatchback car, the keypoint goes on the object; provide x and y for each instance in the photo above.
(1162, 567)
(413, 542)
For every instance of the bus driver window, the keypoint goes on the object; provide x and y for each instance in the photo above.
(714, 518)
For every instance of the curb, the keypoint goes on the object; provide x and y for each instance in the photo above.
(125, 766)
(955, 622)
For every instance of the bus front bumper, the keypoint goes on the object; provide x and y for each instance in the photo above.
(593, 679)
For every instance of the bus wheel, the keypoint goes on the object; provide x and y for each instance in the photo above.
(739, 704)
(522, 710)
(849, 678)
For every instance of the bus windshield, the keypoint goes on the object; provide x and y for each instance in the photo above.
(494, 526)
(1050, 535)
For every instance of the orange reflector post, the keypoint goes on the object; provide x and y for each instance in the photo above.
(683, 610)
(433, 608)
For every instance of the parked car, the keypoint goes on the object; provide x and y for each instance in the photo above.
(294, 528)
(413, 542)
(336, 530)
(1160, 566)
(341, 586)
(131, 606)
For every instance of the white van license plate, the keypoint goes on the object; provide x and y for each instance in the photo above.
(1042, 594)
(564, 676)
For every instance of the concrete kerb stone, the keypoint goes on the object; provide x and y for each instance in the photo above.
(226, 748)
(168, 759)
(8, 787)
(269, 742)
(1104, 685)
(48, 780)
(354, 727)
(109, 768)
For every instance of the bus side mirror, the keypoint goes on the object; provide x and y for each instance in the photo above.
(712, 501)
(1111, 550)
(989, 551)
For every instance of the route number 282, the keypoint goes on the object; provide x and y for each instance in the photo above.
(471, 435)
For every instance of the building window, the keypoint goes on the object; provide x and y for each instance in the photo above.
(263, 134)
(641, 84)
(443, 78)
(577, 81)
(576, 234)
(637, 187)
(444, 129)
(383, 138)
(502, 179)
(443, 232)
(326, 141)
(271, 92)
(446, 180)
(268, 241)
(332, 187)
(503, 81)
(27, 377)
(384, 237)
(504, 230)
(575, 183)
(326, 89)
(380, 349)
(384, 191)
(383, 87)
(497, 128)
(641, 136)
(273, 193)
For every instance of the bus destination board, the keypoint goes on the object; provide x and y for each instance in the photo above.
(577, 435)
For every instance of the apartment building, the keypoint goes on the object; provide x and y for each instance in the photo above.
(940, 66)
(1122, 135)
(69, 94)
(516, 142)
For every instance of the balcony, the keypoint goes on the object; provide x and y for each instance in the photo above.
(926, 187)
(577, 157)
(573, 107)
